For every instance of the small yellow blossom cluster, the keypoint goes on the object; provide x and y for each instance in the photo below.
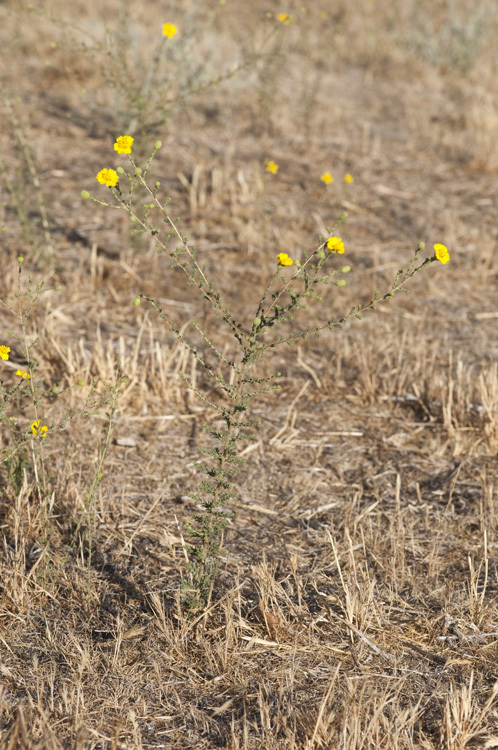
(327, 178)
(38, 429)
(169, 30)
(284, 18)
(270, 166)
(441, 252)
(4, 354)
(335, 245)
(110, 177)
(284, 260)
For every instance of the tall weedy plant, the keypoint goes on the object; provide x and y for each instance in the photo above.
(294, 283)
(26, 428)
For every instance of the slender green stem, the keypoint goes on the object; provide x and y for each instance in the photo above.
(291, 279)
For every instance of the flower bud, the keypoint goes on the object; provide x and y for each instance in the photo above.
(136, 301)
(120, 170)
(256, 322)
(85, 194)
(138, 171)
(157, 145)
(345, 269)
(20, 259)
(341, 282)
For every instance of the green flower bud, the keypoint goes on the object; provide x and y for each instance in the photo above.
(20, 259)
(138, 171)
(133, 218)
(256, 322)
(343, 216)
(157, 145)
(82, 383)
(421, 246)
(137, 301)
(341, 282)
(157, 184)
(120, 170)
(99, 476)
(85, 194)
(345, 269)
(320, 254)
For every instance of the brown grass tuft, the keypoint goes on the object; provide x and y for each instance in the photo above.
(357, 605)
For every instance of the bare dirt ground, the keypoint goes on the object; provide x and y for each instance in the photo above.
(357, 604)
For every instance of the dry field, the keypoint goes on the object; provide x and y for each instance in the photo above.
(356, 607)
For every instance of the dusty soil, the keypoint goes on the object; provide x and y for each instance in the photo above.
(356, 605)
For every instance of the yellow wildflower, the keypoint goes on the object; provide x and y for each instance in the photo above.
(108, 177)
(4, 352)
(335, 245)
(348, 177)
(169, 30)
(271, 167)
(327, 178)
(123, 144)
(442, 253)
(38, 429)
(284, 260)
(284, 18)
(23, 374)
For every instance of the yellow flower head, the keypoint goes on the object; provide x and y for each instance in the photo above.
(284, 18)
(123, 144)
(38, 429)
(442, 253)
(348, 177)
(4, 352)
(108, 177)
(327, 178)
(284, 260)
(335, 245)
(271, 167)
(23, 374)
(169, 30)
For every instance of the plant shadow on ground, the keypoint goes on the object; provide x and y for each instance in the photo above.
(357, 604)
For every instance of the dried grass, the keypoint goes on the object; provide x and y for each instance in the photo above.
(357, 606)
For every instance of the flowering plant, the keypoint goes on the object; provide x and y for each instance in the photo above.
(283, 297)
